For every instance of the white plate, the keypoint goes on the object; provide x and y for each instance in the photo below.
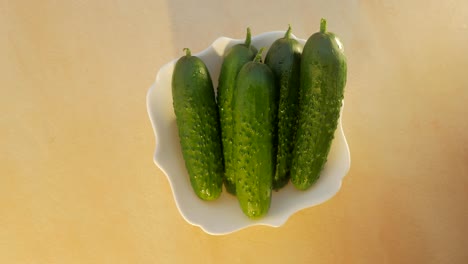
(224, 215)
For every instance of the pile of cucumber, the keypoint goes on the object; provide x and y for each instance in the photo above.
(271, 123)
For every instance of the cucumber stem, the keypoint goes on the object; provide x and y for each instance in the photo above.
(248, 38)
(287, 35)
(323, 25)
(188, 53)
(258, 57)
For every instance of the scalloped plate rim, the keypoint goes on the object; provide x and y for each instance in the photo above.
(280, 220)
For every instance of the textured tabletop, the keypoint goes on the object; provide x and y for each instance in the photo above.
(77, 180)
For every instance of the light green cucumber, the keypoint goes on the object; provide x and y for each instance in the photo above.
(323, 79)
(198, 125)
(253, 152)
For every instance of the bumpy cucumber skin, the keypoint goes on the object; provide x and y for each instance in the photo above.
(284, 59)
(233, 61)
(255, 110)
(198, 124)
(323, 78)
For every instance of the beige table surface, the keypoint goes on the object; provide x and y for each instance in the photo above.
(77, 180)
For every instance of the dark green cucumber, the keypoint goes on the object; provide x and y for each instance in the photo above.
(323, 78)
(233, 61)
(198, 124)
(284, 59)
(254, 113)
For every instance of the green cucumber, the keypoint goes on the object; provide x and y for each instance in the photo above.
(284, 59)
(198, 124)
(233, 61)
(323, 78)
(253, 150)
